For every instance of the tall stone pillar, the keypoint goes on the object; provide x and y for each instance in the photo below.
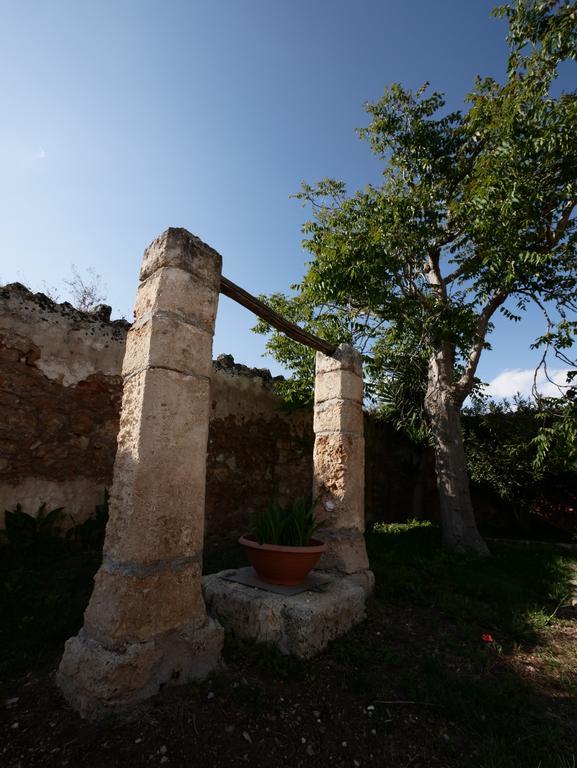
(339, 460)
(146, 623)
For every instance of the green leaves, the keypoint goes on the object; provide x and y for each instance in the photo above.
(542, 33)
(292, 526)
(475, 212)
(23, 529)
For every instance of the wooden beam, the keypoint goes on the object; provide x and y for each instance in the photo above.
(293, 331)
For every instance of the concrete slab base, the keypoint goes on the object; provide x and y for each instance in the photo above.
(299, 625)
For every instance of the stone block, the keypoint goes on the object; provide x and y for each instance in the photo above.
(338, 416)
(346, 551)
(339, 385)
(345, 358)
(146, 624)
(339, 480)
(299, 625)
(127, 608)
(157, 497)
(172, 290)
(179, 248)
(99, 682)
(167, 342)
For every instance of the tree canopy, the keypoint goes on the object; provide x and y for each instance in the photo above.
(474, 215)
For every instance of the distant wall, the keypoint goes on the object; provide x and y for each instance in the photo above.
(60, 395)
(256, 451)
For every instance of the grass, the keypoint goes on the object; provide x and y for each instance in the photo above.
(514, 593)
(508, 703)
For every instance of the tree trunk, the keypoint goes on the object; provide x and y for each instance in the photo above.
(443, 409)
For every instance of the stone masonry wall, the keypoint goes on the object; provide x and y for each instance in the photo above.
(60, 393)
(256, 452)
(59, 402)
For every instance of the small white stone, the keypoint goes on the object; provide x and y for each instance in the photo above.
(210, 695)
(343, 744)
(163, 750)
(246, 737)
(15, 725)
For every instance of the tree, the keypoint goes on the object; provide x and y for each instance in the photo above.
(474, 216)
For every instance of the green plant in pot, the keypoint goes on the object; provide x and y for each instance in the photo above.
(281, 545)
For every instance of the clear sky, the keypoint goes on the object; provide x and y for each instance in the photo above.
(123, 117)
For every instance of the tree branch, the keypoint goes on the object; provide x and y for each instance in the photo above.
(465, 383)
(563, 222)
(456, 273)
(433, 272)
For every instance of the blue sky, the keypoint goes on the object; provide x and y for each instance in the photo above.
(123, 117)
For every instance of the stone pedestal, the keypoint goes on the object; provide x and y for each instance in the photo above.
(339, 460)
(146, 623)
(298, 625)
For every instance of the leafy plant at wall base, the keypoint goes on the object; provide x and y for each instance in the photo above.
(23, 529)
(291, 526)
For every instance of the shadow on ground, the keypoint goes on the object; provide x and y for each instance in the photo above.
(414, 685)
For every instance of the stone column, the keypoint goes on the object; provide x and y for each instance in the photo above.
(146, 623)
(339, 460)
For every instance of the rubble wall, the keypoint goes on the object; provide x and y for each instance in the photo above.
(60, 394)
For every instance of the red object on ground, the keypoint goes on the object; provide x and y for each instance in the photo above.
(487, 638)
(276, 564)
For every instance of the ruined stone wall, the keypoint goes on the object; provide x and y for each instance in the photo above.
(256, 451)
(60, 393)
(59, 402)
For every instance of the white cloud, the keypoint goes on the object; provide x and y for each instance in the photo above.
(510, 382)
(40, 153)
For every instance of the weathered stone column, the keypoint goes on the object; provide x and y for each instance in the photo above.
(339, 459)
(146, 623)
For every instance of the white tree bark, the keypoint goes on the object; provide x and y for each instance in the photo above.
(459, 528)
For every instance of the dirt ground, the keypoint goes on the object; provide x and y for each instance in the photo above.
(415, 685)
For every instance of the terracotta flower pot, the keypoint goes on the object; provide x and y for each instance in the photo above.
(287, 566)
